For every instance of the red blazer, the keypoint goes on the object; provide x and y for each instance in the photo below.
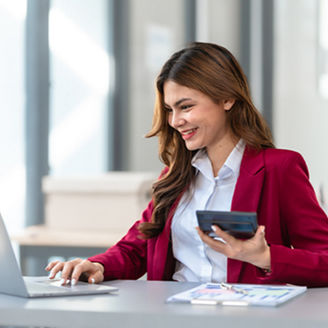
(275, 184)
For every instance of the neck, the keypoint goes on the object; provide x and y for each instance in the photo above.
(219, 153)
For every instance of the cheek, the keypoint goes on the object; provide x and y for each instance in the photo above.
(169, 119)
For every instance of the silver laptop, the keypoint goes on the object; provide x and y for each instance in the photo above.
(13, 283)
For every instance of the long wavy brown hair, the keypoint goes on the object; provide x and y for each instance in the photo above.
(214, 71)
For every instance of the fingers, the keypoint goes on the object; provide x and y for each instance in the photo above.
(51, 265)
(254, 250)
(229, 246)
(67, 272)
(96, 277)
(93, 272)
(203, 236)
(84, 267)
(73, 270)
(217, 245)
(222, 234)
(66, 268)
(54, 268)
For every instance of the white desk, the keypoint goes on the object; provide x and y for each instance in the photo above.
(142, 304)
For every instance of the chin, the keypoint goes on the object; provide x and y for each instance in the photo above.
(193, 147)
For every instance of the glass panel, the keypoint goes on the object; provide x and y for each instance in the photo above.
(80, 72)
(12, 168)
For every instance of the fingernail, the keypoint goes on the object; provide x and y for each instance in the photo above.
(62, 281)
(73, 283)
(93, 280)
(67, 281)
(263, 229)
(213, 227)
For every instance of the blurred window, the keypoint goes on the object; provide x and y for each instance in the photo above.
(80, 81)
(12, 99)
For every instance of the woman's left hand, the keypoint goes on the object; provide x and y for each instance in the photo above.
(254, 250)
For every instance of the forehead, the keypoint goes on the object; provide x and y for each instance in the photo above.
(173, 92)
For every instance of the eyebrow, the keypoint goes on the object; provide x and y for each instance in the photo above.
(177, 103)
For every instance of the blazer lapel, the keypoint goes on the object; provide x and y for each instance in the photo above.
(246, 195)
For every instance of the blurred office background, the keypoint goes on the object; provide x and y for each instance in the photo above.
(77, 83)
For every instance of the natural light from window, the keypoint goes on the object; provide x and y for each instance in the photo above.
(12, 98)
(80, 83)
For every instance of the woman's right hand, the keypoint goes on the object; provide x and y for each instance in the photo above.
(73, 270)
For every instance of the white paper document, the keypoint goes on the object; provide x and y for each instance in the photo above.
(238, 294)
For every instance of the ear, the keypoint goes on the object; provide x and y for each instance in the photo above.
(228, 103)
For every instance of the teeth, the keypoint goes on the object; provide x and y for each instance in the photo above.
(187, 132)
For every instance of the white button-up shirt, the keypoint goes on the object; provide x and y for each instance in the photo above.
(195, 260)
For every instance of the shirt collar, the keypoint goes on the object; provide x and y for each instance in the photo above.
(230, 167)
(234, 159)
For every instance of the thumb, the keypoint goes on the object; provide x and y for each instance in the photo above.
(260, 232)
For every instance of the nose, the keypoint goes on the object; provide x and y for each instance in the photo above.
(176, 119)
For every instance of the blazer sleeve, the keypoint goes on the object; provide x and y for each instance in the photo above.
(128, 258)
(303, 260)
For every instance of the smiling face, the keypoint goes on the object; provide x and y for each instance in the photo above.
(201, 122)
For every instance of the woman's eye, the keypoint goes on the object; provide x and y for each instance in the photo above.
(168, 109)
(185, 107)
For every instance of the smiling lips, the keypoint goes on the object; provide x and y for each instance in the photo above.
(187, 134)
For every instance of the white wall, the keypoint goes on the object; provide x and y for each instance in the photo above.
(218, 21)
(157, 30)
(300, 113)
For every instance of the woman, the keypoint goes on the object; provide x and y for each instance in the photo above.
(219, 155)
